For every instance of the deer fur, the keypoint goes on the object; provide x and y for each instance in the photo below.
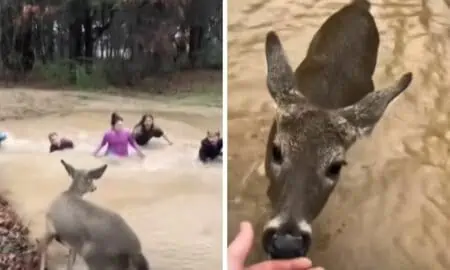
(323, 108)
(101, 237)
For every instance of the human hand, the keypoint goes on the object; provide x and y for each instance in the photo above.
(239, 249)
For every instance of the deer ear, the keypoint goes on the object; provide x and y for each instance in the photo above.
(69, 168)
(97, 173)
(280, 77)
(366, 113)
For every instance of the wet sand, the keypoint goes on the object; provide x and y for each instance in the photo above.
(171, 200)
(391, 209)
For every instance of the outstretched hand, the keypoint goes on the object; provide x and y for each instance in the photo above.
(239, 249)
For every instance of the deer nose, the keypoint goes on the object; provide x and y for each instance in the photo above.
(282, 244)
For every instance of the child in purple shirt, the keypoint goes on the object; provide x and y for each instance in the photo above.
(117, 139)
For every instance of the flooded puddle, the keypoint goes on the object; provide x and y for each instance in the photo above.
(171, 200)
(391, 208)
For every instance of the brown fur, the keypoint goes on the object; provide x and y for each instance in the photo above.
(323, 108)
(100, 236)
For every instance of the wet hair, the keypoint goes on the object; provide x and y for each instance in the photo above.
(51, 134)
(142, 121)
(115, 117)
(211, 133)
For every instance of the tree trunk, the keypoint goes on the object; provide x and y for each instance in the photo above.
(75, 45)
(88, 41)
(195, 43)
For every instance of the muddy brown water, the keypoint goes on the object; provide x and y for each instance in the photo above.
(391, 209)
(170, 200)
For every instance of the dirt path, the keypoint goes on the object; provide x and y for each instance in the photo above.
(172, 201)
(391, 209)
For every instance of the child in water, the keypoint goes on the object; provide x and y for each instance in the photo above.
(117, 139)
(59, 144)
(211, 147)
(146, 129)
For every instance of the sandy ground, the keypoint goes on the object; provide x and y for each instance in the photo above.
(171, 200)
(391, 209)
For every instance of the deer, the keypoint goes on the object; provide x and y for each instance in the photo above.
(323, 108)
(100, 236)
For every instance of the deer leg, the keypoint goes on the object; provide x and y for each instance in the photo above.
(71, 259)
(42, 248)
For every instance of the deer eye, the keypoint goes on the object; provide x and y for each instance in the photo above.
(334, 169)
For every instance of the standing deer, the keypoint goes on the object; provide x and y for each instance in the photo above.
(322, 110)
(100, 236)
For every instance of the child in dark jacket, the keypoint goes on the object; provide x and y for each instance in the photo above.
(59, 144)
(211, 147)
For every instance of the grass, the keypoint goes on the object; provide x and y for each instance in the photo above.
(209, 96)
(200, 95)
(195, 87)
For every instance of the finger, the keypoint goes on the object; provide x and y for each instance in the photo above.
(241, 245)
(296, 264)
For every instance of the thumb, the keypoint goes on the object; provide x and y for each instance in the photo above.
(240, 247)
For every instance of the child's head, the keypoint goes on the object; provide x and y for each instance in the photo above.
(146, 121)
(213, 137)
(53, 138)
(116, 121)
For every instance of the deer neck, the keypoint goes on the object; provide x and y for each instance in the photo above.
(74, 191)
